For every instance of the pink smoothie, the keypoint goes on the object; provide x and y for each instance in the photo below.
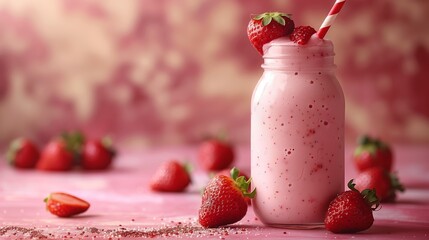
(297, 134)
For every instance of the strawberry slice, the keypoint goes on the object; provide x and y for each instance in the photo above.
(65, 205)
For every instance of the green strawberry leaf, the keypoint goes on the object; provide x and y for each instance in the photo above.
(269, 16)
(251, 194)
(371, 198)
(351, 185)
(242, 183)
(234, 173)
(279, 19)
(396, 184)
(259, 17)
(266, 20)
(14, 148)
(364, 140)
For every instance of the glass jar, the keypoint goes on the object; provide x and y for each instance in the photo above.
(297, 134)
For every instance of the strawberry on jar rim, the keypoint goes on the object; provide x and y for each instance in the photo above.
(351, 211)
(373, 152)
(268, 26)
(23, 153)
(302, 34)
(224, 200)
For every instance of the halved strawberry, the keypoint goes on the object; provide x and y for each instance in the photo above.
(65, 205)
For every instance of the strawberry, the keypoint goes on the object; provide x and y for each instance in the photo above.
(23, 153)
(55, 157)
(170, 177)
(224, 200)
(97, 154)
(61, 153)
(214, 155)
(229, 173)
(372, 152)
(65, 205)
(377, 178)
(302, 34)
(351, 211)
(262, 29)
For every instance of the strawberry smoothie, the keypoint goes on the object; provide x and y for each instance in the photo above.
(297, 134)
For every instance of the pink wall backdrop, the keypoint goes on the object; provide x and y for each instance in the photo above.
(155, 72)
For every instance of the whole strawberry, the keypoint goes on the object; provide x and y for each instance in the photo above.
(224, 200)
(351, 211)
(171, 176)
(23, 153)
(385, 184)
(56, 156)
(372, 152)
(268, 26)
(302, 34)
(229, 173)
(215, 155)
(65, 205)
(97, 154)
(61, 153)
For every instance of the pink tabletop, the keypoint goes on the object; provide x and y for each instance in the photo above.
(123, 207)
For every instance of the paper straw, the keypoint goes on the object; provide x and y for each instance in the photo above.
(330, 18)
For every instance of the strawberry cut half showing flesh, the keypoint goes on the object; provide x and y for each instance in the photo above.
(65, 205)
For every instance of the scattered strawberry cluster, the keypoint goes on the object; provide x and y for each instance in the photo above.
(351, 211)
(268, 26)
(373, 159)
(63, 153)
(227, 195)
(214, 154)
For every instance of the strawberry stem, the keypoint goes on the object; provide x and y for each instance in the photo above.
(368, 194)
(269, 16)
(371, 198)
(396, 184)
(351, 185)
(234, 173)
(242, 183)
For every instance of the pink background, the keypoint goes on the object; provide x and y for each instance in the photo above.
(167, 72)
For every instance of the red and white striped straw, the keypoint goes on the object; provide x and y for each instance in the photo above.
(330, 18)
